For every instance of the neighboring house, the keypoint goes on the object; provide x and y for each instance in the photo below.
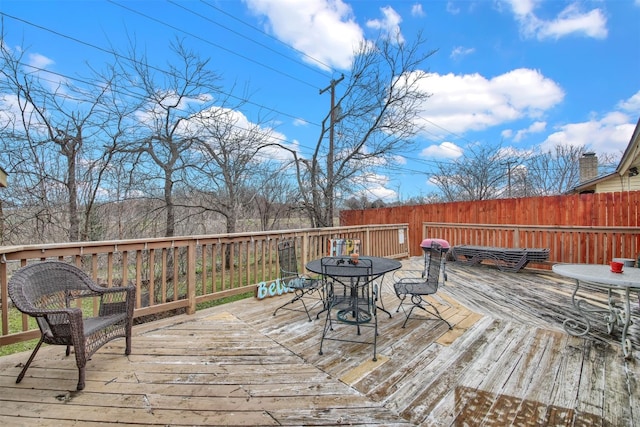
(3, 178)
(625, 178)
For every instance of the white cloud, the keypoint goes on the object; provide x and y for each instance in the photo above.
(522, 7)
(37, 60)
(275, 152)
(609, 134)
(631, 105)
(324, 30)
(376, 188)
(447, 150)
(372, 187)
(452, 9)
(460, 51)
(416, 10)
(460, 103)
(535, 127)
(40, 64)
(389, 25)
(571, 20)
(382, 193)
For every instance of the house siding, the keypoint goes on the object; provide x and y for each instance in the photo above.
(620, 183)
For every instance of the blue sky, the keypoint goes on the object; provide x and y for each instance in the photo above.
(528, 74)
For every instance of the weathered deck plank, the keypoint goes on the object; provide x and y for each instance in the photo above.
(507, 361)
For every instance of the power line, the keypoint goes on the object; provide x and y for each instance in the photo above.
(302, 64)
(118, 55)
(202, 39)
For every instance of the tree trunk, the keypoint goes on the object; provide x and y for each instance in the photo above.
(171, 214)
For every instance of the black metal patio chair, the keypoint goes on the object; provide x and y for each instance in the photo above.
(302, 285)
(351, 300)
(412, 285)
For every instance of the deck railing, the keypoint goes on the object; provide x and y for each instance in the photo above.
(567, 244)
(181, 272)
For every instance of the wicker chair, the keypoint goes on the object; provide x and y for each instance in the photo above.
(417, 284)
(46, 291)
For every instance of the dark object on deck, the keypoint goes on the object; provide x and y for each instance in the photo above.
(50, 290)
(506, 259)
(302, 286)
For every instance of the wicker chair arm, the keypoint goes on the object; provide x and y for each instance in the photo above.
(42, 312)
(95, 291)
(113, 289)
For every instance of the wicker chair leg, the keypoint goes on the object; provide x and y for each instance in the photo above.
(26, 366)
(80, 378)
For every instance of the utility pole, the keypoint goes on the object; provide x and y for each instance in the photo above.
(509, 163)
(332, 118)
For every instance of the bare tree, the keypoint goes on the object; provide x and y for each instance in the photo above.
(554, 171)
(373, 120)
(229, 148)
(52, 132)
(165, 140)
(276, 197)
(482, 173)
(558, 170)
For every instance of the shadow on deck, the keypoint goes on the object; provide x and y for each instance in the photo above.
(507, 361)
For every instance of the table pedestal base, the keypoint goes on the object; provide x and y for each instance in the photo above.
(614, 315)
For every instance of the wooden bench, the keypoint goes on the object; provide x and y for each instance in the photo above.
(506, 259)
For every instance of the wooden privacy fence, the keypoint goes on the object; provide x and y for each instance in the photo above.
(592, 245)
(577, 227)
(181, 272)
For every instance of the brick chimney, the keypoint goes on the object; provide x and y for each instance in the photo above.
(588, 166)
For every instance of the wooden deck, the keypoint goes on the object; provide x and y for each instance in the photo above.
(506, 362)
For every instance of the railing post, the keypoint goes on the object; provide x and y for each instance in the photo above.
(304, 248)
(191, 276)
(4, 297)
(367, 241)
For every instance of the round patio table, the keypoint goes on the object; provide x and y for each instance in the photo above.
(601, 277)
(358, 307)
(379, 267)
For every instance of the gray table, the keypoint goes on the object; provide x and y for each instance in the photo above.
(601, 277)
(379, 267)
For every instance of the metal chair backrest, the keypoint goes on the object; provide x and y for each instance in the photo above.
(288, 259)
(343, 266)
(433, 267)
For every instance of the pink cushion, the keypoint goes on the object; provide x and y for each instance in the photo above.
(426, 243)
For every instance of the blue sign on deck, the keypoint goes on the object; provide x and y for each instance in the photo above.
(272, 289)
